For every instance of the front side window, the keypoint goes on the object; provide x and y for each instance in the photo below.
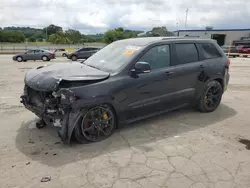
(186, 53)
(158, 57)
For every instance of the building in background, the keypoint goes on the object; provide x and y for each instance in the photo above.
(222, 36)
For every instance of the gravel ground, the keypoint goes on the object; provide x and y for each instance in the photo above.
(181, 149)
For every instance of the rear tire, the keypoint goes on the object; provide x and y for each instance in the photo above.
(95, 124)
(64, 55)
(74, 58)
(19, 58)
(211, 97)
(45, 58)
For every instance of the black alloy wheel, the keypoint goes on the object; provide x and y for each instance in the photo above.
(96, 124)
(211, 97)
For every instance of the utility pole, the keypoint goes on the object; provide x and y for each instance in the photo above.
(177, 28)
(186, 19)
(47, 34)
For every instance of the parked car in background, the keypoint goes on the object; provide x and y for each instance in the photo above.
(83, 53)
(126, 81)
(232, 50)
(245, 49)
(34, 54)
(61, 52)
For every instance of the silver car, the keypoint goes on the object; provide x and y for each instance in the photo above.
(35, 54)
(61, 52)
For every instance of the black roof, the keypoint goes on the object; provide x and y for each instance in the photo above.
(143, 41)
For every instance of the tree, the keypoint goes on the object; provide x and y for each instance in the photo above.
(51, 29)
(59, 38)
(11, 36)
(74, 36)
(31, 39)
(161, 31)
(117, 34)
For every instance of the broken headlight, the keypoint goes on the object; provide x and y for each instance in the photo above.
(67, 96)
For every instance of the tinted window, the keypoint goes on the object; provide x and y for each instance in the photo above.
(210, 51)
(186, 53)
(158, 57)
(92, 49)
(83, 50)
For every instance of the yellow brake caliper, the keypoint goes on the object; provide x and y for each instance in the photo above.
(105, 116)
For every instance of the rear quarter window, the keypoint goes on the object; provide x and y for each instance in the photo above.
(209, 51)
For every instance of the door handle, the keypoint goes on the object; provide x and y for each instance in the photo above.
(202, 66)
(169, 73)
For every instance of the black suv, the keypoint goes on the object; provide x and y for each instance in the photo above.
(126, 81)
(83, 53)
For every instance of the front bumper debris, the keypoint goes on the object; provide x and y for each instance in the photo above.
(49, 116)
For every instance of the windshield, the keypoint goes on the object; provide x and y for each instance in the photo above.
(112, 57)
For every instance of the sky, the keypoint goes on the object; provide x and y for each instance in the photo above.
(97, 16)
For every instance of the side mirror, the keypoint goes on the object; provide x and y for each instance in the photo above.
(141, 67)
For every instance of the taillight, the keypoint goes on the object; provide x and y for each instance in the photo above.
(228, 63)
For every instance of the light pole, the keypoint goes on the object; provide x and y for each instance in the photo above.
(177, 28)
(186, 19)
(47, 34)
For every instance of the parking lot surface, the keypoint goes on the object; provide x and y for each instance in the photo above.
(180, 149)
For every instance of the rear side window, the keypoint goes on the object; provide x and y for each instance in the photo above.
(186, 53)
(209, 51)
(92, 49)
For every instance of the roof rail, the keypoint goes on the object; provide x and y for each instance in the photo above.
(180, 37)
(166, 38)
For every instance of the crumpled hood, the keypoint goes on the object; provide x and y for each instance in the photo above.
(47, 78)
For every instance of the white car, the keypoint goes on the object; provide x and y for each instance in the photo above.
(61, 52)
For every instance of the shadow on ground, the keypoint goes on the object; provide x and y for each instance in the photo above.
(44, 145)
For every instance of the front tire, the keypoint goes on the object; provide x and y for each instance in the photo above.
(211, 97)
(19, 58)
(74, 58)
(95, 124)
(45, 58)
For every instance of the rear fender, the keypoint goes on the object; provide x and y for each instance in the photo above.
(202, 84)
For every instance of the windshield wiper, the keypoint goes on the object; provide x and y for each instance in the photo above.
(89, 65)
(92, 66)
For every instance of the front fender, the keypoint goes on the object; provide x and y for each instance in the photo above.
(72, 122)
(79, 107)
(95, 100)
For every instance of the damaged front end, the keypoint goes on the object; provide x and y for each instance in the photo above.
(53, 108)
(47, 93)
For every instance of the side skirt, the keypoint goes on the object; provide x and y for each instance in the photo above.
(154, 114)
